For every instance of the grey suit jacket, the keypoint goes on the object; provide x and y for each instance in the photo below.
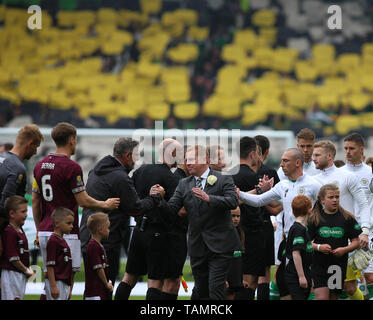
(210, 223)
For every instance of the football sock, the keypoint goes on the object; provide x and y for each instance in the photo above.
(358, 295)
(263, 291)
(169, 296)
(123, 291)
(153, 294)
(343, 296)
(370, 290)
(311, 296)
(274, 293)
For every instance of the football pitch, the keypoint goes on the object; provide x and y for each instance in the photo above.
(80, 278)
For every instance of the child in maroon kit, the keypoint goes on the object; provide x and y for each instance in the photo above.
(15, 260)
(97, 286)
(59, 280)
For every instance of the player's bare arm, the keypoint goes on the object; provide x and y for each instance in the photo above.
(84, 200)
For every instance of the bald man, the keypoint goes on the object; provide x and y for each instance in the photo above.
(147, 252)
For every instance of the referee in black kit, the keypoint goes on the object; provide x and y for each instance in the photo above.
(267, 211)
(253, 259)
(148, 247)
(177, 248)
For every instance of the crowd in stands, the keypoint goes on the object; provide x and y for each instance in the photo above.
(194, 64)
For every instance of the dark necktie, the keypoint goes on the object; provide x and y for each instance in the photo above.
(199, 183)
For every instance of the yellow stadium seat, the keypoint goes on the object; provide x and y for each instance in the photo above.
(198, 33)
(367, 82)
(188, 110)
(305, 71)
(367, 119)
(264, 18)
(268, 34)
(233, 53)
(112, 48)
(159, 111)
(229, 107)
(188, 17)
(150, 6)
(327, 101)
(246, 39)
(348, 62)
(66, 18)
(264, 57)
(345, 123)
(177, 93)
(2, 13)
(183, 53)
(155, 94)
(211, 106)
(85, 18)
(284, 59)
(176, 30)
(169, 19)
(252, 115)
(358, 101)
(127, 110)
(247, 91)
(323, 52)
(107, 15)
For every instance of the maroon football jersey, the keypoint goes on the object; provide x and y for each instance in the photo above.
(57, 178)
(59, 256)
(15, 248)
(96, 259)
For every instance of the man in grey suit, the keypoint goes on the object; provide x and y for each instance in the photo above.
(208, 196)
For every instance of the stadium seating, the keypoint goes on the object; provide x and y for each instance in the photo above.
(262, 70)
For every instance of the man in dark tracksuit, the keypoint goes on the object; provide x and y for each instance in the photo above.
(148, 248)
(110, 178)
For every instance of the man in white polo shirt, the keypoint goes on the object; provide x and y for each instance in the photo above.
(351, 196)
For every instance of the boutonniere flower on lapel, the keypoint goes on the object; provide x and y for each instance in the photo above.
(211, 180)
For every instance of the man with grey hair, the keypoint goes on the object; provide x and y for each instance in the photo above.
(109, 178)
(295, 183)
(147, 253)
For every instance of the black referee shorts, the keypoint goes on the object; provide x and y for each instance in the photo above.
(269, 243)
(147, 254)
(253, 259)
(176, 254)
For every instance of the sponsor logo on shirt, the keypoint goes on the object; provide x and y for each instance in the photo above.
(309, 247)
(335, 232)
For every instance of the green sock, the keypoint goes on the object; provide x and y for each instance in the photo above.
(312, 296)
(274, 293)
(370, 290)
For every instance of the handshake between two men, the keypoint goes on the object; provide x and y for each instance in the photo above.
(199, 193)
(264, 185)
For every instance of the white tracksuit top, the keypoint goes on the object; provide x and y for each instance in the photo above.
(284, 192)
(350, 192)
(364, 174)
